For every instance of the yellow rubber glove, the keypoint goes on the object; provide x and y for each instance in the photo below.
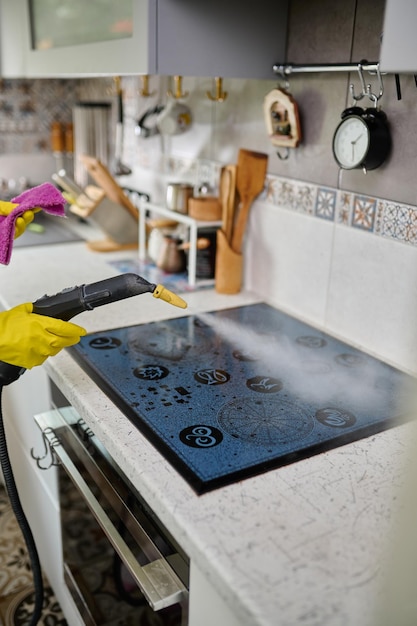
(27, 339)
(22, 221)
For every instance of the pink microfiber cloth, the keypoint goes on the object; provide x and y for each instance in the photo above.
(45, 197)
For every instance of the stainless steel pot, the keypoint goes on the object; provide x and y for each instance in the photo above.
(177, 196)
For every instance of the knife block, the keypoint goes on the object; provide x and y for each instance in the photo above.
(228, 268)
(119, 226)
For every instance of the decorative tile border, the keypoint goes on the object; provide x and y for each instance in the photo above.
(386, 218)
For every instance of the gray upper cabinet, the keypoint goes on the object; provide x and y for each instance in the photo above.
(225, 38)
(228, 38)
(368, 30)
(399, 44)
(320, 31)
(334, 31)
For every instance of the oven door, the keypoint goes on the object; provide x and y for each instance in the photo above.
(118, 558)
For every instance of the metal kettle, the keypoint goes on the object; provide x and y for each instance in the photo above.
(171, 258)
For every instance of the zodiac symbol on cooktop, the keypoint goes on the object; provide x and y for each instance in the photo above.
(349, 360)
(310, 341)
(265, 421)
(212, 377)
(264, 384)
(105, 343)
(201, 436)
(150, 372)
(337, 418)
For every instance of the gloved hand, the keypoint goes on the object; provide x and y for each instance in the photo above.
(27, 339)
(22, 221)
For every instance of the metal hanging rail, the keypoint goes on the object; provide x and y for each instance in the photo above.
(373, 68)
(289, 68)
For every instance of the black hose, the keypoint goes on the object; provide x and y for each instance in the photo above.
(22, 521)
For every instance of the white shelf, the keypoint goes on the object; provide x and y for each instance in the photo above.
(193, 224)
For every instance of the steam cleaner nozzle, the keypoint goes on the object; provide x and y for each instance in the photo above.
(170, 297)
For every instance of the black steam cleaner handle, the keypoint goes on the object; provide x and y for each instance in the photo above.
(74, 300)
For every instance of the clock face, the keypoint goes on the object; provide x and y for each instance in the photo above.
(351, 142)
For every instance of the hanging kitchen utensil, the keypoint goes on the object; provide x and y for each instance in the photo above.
(250, 179)
(119, 168)
(146, 125)
(175, 118)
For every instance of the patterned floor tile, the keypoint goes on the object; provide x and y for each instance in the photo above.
(16, 582)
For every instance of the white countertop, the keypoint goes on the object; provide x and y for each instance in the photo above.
(302, 544)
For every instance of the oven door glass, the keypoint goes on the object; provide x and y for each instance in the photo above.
(120, 565)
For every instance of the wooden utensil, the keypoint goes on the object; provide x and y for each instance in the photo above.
(202, 243)
(224, 193)
(250, 179)
(227, 192)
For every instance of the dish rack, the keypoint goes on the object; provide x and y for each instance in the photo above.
(192, 224)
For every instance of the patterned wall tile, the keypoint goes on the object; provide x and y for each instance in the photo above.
(374, 215)
(293, 194)
(326, 203)
(28, 108)
(344, 207)
(398, 221)
(364, 209)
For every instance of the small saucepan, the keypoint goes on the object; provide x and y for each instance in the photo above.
(177, 196)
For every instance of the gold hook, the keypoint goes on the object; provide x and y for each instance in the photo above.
(178, 89)
(118, 82)
(220, 95)
(144, 92)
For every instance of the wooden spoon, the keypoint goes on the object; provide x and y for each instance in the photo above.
(231, 202)
(250, 179)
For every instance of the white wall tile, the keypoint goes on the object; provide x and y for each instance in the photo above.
(372, 296)
(288, 259)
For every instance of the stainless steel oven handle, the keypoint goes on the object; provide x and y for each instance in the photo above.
(157, 581)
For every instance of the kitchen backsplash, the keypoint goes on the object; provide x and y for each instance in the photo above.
(337, 248)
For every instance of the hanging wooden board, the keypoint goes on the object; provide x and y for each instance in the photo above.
(282, 119)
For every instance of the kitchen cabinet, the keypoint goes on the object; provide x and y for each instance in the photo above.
(399, 45)
(169, 37)
(334, 31)
(37, 488)
(229, 39)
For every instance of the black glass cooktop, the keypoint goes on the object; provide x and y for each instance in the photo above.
(233, 393)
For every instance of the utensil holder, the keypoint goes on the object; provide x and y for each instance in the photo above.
(229, 267)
